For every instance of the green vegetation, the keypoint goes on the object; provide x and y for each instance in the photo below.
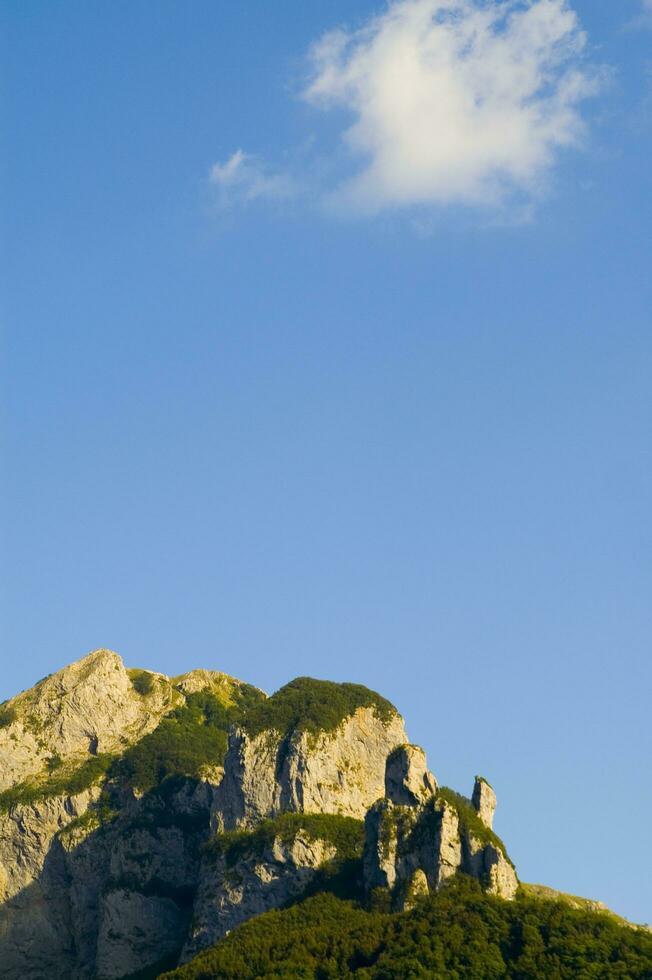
(190, 737)
(470, 822)
(341, 875)
(401, 748)
(344, 833)
(61, 781)
(398, 823)
(157, 810)
(459, 934)
(98, 816)
(313, 706)
(575, 901)
(154, 971)
(143, 682)
(8, 715)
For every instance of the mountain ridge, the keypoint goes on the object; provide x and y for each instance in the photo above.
(143, 818)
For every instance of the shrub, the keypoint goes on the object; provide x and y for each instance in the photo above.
(190, 737)
(142, 681)
(63, 781)
(340, 875)
(345, 834)
(8, 715)
(314, 706)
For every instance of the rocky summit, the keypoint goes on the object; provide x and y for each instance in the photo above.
(144, 818)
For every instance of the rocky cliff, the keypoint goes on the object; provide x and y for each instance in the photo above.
(340, 771)
(143, 817)
(88, 708)
(418, 836)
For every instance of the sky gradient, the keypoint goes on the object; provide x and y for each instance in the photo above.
(259, 427)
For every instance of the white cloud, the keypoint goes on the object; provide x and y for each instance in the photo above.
(243, 178)
(454, 101)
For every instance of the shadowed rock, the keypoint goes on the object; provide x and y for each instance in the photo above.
(408, 781)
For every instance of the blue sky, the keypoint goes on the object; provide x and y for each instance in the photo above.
(304, 374)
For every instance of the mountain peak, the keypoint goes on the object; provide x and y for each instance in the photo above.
(89, 707)
(143, 817)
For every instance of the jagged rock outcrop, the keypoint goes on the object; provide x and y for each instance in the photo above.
(262, 875)
(132, 882)
(221, 684)
(418, 835)
(416, 888)
(58, 864)
(408, 782)
(484, 801)
(83, 899)
(88, 708)
(150, 876)
(156, 927)
(94, 706)
(35, 933)
(132, 828)
(340, 771)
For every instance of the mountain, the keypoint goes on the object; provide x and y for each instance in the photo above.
(194, 824)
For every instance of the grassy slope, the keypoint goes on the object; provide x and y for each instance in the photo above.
(574, 901)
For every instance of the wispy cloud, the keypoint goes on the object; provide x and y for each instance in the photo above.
(244, 178)
(444, 102)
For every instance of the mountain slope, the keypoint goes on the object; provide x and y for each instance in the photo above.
(459, 933)
(143, 818)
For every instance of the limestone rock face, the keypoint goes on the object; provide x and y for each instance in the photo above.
(115, 880)
(484, 801)
(447, 852)
(489, 864)
(501, 877)
(407, 779)
(228, 896)
(140, 870)
(137, 930)
(213, 680)
(78, 898)
(330, 772)
(380, 861)
(35, 934)
(87, 708)
(151, 879)
(416, 839)
(26, 833)
(417, 888)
